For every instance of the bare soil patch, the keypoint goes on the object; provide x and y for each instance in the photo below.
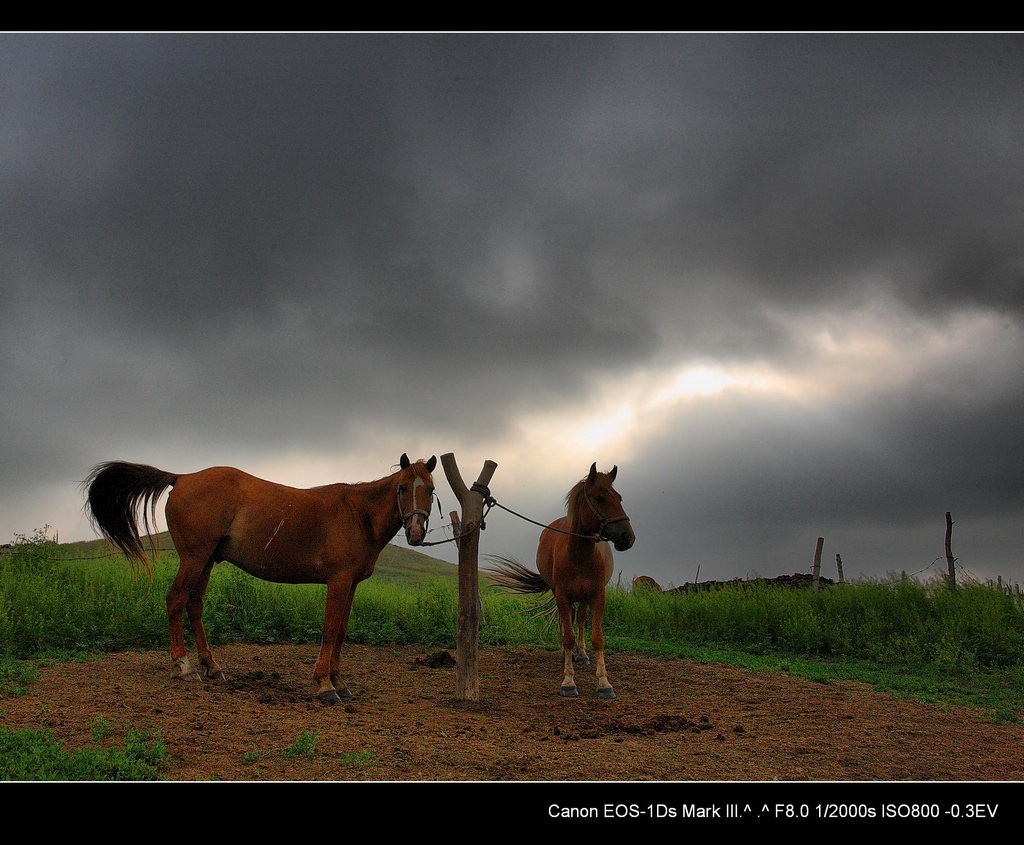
(673, 720)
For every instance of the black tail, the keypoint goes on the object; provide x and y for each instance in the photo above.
(511, 575)
(118, 495)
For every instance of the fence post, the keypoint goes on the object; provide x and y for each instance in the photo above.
(949, 551)
(467, 685)
(839, 568)
(816, 571)
(456, 526)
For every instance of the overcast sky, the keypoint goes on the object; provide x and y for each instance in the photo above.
(776, 279)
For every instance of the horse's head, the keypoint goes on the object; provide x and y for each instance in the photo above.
(605, 506)
(415, 497)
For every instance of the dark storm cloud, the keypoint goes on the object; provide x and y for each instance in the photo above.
(797, 163)
(214, 177)
(226, 245)
(193, 187)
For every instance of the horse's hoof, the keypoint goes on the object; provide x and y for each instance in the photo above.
(216, 676)
(183, 671)
(568, 692)
(581, 660)
(330, 697)
(606, 693)
(344, 692)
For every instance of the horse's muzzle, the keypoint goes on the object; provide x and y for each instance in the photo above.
(623, 538)
(415, 529)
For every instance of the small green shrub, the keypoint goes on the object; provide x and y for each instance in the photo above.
(304, 745)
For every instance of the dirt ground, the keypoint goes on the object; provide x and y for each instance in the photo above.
(673, 720)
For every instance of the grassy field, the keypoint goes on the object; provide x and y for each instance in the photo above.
(911, 639)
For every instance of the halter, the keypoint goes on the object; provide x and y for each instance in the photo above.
(407, 515)
(604, 522)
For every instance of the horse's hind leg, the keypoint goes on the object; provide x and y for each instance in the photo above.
(192, 575)
(178, 594)
(604, 686)
(581, 640)
(565, 617)
(195, 615)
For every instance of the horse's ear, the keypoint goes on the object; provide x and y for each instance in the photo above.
(611, 475)
(432, 463)
(593, 472)
(403, 462)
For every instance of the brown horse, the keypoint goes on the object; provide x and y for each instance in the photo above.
(575, 563)
(324, 535)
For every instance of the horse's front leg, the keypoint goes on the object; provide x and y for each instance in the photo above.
(336, 679)
(568, 689)
(339, 597)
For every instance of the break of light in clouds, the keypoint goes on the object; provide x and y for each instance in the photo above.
(776, 279)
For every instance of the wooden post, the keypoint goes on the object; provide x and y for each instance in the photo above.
(816, 571)
(456, 526)
(839, 568)
(949, 551)
(467, 685)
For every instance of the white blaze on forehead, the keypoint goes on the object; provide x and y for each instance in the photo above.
(416, 484)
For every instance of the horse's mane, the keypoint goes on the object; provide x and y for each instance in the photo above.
(574, 503)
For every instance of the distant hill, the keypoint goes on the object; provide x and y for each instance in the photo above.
(396, 564)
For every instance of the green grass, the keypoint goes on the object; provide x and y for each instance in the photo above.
(76, 599)
(904, 637)
(15, 675)
(899, 623)
(306, 744)
(355, 759)
(30, 755)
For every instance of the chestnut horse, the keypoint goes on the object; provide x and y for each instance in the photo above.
(575, 563)
(324, 535)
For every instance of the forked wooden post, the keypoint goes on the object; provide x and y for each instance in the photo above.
(467, 685)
